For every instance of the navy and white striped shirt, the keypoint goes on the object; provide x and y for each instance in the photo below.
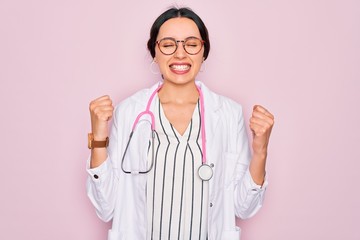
(176, 196)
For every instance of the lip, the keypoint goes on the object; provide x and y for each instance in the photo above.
(183, 68)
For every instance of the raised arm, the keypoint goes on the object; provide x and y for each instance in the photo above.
(101, 110)
(261, 123)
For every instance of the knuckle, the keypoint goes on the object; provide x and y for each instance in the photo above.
(96, 111)
(107, 102)
(91, 105)
(267, 125)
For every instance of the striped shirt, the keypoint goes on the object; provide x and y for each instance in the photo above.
(176, 196)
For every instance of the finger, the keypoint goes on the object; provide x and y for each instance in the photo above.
(104, 97)
(259, 108)
(255, 130)
(101, 98)
(262, 110)
(99, 110)
(105, 115)
(261, 123)
(267, 124)
(258, 130)
(104, 102)
(261, 116)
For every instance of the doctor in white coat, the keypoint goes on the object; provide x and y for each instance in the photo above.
(234, 182)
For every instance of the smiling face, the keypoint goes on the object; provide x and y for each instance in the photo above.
(179, 67)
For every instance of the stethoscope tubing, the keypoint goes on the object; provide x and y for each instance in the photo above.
(153, 132)
(152, 155)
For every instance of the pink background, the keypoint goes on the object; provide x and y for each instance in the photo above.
(300, 59)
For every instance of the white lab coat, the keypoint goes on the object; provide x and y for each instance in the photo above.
(121, 197)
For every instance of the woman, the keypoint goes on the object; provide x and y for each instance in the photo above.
(195, 172)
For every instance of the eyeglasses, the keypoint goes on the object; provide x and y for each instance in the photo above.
(191, 45)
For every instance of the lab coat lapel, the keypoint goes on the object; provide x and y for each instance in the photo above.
(212, 105)
(143, 99)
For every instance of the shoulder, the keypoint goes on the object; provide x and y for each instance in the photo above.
(231, 111)
(136, 101)
(230, 105)
(220, 103)
(126, 111)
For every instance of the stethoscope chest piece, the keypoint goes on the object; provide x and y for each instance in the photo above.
(205, 172)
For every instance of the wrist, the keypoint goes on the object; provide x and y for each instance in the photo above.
(98, 142)
(99, 136)
(260, 155)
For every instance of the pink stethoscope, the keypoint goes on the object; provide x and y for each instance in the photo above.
(205, 171)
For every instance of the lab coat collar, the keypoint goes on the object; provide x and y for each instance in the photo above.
(212, 103)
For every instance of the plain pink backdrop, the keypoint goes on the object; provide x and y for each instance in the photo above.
(300, 59)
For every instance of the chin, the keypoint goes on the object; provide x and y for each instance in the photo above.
(179, 81)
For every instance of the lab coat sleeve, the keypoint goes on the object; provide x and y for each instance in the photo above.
(249, 196)
(102, 182)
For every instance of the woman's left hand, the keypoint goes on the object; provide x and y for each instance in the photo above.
(261, 123)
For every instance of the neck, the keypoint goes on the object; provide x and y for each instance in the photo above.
(178, 93)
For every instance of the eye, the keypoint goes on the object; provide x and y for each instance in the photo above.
(167, 43)
(193, 43)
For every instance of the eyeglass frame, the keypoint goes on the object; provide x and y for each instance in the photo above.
(177, 44)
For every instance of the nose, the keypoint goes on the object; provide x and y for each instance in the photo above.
(180, 51)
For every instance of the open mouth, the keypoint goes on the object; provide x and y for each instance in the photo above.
(180, 68)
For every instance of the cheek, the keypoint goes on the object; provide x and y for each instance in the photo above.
(199, 61)
(162, 62)
(158, 55)
(201, 56)
(159, 59)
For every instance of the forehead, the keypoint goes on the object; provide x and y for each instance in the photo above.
(179, 28)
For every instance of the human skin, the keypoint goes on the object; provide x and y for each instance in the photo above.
(179, 96)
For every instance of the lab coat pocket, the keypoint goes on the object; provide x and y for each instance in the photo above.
(231, 234)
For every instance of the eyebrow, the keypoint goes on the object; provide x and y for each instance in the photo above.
(178, 39)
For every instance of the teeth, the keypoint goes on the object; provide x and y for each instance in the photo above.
(180, 67)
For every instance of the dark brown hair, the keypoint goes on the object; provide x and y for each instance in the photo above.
(174, 13)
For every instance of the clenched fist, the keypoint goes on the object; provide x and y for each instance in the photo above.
(101, 111)
(261, 123)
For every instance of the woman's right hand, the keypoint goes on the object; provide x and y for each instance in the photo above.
(101, 111)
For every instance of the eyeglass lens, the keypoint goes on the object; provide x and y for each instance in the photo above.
(191, 45)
